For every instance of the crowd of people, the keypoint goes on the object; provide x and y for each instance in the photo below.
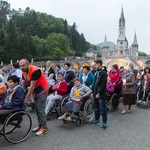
(52, 83)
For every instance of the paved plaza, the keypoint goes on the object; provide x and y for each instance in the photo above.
(125, 132)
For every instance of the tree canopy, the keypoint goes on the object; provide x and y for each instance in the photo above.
(30, 34)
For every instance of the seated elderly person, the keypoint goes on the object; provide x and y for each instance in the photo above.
(14, 100)
(78, 93)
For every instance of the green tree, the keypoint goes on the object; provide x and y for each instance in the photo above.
(84, 46)
(40, 46)
(32, 34)
(58, 41)
(4, 12)
(66, 30)
(10, 51)
(75, 38)
(142, 54)
(58, 54)
(2, 43)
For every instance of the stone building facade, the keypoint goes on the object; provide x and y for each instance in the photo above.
(122, 48)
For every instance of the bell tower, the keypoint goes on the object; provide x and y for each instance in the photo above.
(134, 47)
(122, 43)
(105, 50)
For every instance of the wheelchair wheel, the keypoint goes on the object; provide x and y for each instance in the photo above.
(88, 111)
(17, 127)
(64, 121)
(55, 108)
(79, 122)
(62, 104)
(137, 104)
(114, 102)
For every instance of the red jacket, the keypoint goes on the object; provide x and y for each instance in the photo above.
(116, 78)
(62, 88)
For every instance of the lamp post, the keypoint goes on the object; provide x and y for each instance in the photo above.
(1, 63)
(11, 62)
(32, 61)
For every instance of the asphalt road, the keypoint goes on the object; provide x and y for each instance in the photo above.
(125, 132)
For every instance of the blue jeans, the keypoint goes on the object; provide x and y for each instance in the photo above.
(100, 107)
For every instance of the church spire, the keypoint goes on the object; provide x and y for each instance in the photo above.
(105, 45)
(105, 40)
(105, 50)
(135, 40)
(122, 42)
(122, 18)
(135, 47)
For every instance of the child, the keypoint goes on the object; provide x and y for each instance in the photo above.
(50, 79)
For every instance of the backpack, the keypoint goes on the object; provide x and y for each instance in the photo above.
(3, 89)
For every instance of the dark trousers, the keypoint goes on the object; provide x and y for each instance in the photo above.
(40, 102)
(143, 94)
(116, 101)
(100, 108)
(5, 111)
(118, 91)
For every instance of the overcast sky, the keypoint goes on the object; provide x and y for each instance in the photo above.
(94, 18)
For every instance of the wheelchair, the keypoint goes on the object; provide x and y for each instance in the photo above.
(112, 101)
(145, 95)
(86, 110)
(57, 107)
(15, 127)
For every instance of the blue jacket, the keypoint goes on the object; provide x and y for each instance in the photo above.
(89, 81)
(2, 100)
(17, 101)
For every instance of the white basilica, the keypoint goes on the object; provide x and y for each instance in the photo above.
(122, 48)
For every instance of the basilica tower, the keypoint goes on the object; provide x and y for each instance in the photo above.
(134, 47)
(122, 43)
(105, 50)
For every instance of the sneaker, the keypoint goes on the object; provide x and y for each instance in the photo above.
(129, 111)
(63, 117)
(105, 125)
(35, 129)
(144, 102)
(41, 132)
(69, 118)
(139, 101)
(95, 122)
(123, 112)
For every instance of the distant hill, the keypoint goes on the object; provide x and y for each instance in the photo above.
(112, 45)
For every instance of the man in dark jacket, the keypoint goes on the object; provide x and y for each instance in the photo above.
(69, 75)
(99, 94)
